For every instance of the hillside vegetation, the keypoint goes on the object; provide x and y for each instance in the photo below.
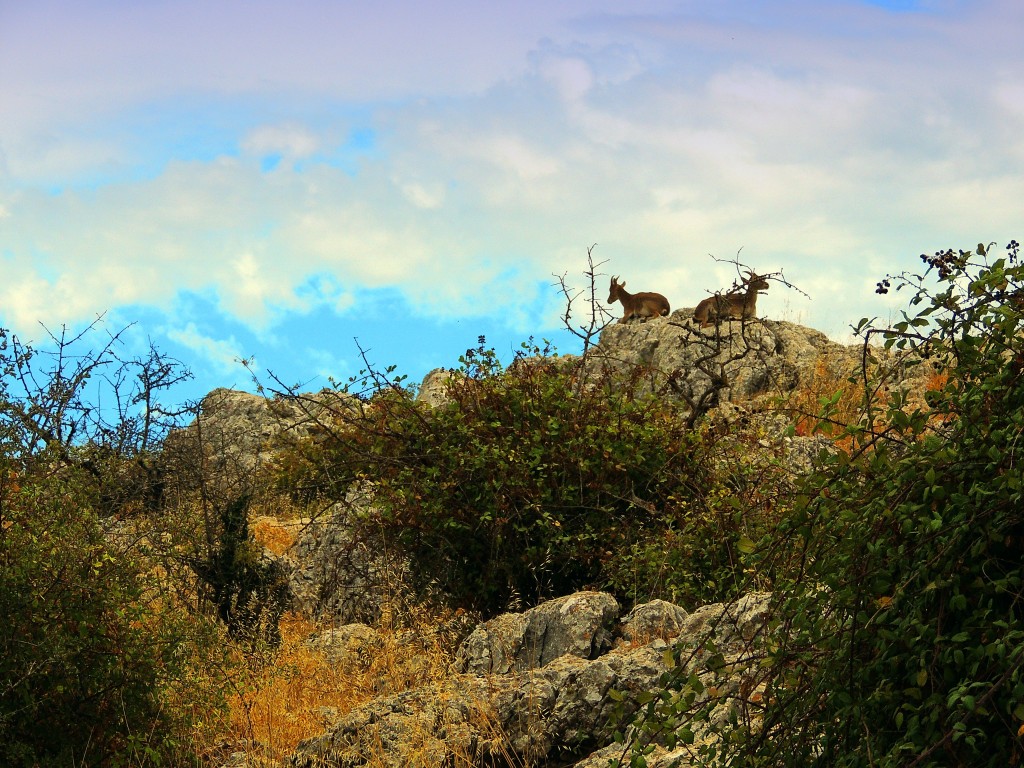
(150, 618)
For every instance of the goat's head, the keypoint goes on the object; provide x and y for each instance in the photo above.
(614, 290)
(755, 282)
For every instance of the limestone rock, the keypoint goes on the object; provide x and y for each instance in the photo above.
(733, 625)
(339, 574)
(560, 712)
(563, 709)
(746, 359)
(577, 624)
(656, 619)
(346, 641)
(434, 389)
(235, 433)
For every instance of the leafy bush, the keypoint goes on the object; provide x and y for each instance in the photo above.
(88, 660)
(901, 641)
(539, 479)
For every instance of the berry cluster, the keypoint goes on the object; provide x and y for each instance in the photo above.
(946, 262)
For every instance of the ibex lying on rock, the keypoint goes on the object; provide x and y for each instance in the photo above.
(642, 305)
(739, 303)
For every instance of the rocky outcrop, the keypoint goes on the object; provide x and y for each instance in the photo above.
(746, 362)
(737, 360)
(658, 619)
(434, 388)
(532, 707)
(237, 432)
(577, 625)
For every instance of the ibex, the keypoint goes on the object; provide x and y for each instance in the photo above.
(642, 305)
(739, 303)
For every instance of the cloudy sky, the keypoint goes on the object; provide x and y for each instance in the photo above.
(292, 181)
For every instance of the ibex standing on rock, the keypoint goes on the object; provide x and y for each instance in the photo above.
(642, 305)
(740, 303)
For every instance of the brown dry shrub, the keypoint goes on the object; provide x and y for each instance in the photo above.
(805, 403)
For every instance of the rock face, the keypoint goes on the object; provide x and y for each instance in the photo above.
(331, 572)
(433, 390)
(577, 625)
(653, 620)
(237, 432)
(742, 361)
(528, 706)
(335, 574)
(734, 361)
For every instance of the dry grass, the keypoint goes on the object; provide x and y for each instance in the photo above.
(827, 379)
(299, 689)
(276, 535)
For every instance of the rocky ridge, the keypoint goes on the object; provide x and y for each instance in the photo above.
(535, 687)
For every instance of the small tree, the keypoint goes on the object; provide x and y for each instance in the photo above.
(92, 652)
(82, 403)
(249, 592)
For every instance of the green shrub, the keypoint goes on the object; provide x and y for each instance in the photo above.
(88, 662)
(696, 554)
(101, 661)
(901, 640)
(537, 479)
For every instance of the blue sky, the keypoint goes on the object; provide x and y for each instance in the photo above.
(284, 181)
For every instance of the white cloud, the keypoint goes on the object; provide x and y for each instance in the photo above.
(428, 197)
(571, 76)
(223, 353)
(292, 140)
(830, 145)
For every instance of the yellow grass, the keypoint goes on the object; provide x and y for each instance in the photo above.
(300, 689)
(276, 535)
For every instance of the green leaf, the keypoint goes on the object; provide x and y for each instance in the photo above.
(668, 658)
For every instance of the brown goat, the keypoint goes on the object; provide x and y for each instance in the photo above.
(740, 303)
(642, 305)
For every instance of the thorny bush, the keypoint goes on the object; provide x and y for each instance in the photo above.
(535, 480)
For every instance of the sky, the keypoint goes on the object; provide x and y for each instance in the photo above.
(301, 184)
